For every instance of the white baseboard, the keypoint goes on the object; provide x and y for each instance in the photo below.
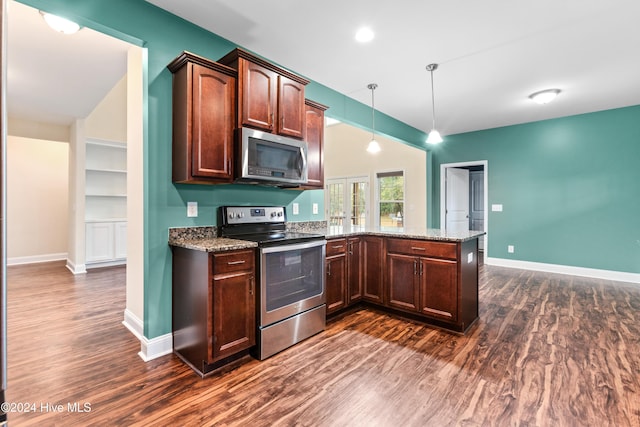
(149, 348)
(619, 276)
(76, 268)
(36, 259)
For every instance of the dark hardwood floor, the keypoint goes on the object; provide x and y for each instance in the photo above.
(549, 350)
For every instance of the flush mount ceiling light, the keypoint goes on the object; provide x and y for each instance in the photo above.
(364, 35)
(544, 96)
(373, 146)
(59, 24)
(434, 136)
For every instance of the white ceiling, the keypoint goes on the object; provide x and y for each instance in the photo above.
(56, 78)
(492, 55)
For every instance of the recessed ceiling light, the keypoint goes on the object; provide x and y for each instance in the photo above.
(59, 24)
(364, 34)
(544, 96)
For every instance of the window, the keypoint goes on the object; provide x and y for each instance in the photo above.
(390, 200)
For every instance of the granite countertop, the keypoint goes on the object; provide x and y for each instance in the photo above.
(205, 239)
(415, 233)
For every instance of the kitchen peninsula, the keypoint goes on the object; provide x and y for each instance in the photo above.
(430, 275)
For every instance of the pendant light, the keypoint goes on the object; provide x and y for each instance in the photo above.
(373, 146)
(434, 136)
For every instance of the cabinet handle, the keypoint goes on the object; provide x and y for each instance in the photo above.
(251, 285)
(235, 262)
(415, 267)
(421, 268)
(338, 246)
(417, 249)
(329, 269)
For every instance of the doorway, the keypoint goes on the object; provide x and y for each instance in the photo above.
(464, 198)
(347, 204)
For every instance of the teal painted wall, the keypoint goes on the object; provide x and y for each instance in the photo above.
(570, 188)
(165, 36)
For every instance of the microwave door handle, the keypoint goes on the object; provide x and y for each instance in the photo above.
(302, 164)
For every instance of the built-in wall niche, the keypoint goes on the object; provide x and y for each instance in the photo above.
(105, 202)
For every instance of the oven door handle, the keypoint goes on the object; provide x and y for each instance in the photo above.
(292, 247)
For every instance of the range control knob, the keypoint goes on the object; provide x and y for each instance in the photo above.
(273, 214)
(231, 215)
(279, 213)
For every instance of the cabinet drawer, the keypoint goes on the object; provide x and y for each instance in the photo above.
(336, 246)
(228, 262)
(423, 248)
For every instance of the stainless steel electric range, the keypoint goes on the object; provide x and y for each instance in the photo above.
(291, 290)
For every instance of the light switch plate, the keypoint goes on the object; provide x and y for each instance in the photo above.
(469, 257)
(192, 209)
(315, 209)
(496, 208)
(296, 208)
(511, 249)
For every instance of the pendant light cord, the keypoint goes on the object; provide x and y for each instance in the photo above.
(373, 87)
(431, 68)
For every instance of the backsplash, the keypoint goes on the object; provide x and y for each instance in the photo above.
(308, 226)
(191, 233)
(210, 232)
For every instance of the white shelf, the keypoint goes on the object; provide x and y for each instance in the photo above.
(117, 171)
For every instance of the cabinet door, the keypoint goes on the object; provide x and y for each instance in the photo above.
(120, 240)
(314, 118)
(258, 87)
(354, 269)
(233, 326)
(335, 285)
(439, 289)
(402, 281)
(372, 260)
(213, 123)
(99, 238)
(291, 111)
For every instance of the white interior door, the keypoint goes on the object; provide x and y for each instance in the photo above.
(347, 204)
(457, 199)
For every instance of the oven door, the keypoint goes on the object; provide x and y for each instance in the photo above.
(291, 280)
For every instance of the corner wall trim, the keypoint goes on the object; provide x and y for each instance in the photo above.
(149, 348)
(594, 273)
(76, 269)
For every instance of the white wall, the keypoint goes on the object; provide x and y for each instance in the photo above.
(37, 200)
(135, 187)
(108, 120)
(346, 155)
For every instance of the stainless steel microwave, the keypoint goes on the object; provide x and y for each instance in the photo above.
(271, 159)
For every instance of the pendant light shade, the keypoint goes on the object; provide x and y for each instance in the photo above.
(434, 136)
(373, 146)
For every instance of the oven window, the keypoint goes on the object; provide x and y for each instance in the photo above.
(292, 276)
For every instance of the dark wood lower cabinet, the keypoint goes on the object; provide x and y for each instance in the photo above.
(403, 281)
(354, 270)
(435, 281)
(213, 316)
(335, 284)
(373, 269)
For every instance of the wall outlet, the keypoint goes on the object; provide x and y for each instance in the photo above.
(296, 208)
(315, 209)
(496, 208)
(192, 209)
(511, 249)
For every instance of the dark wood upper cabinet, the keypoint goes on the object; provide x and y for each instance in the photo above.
(314, 135)
(270, 98)
(204, 111)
